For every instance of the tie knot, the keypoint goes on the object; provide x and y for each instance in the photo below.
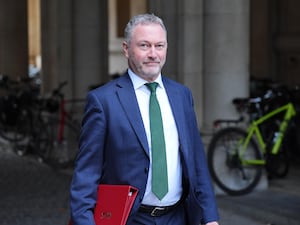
(152, 86)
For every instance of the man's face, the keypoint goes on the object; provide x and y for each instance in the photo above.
(147, 51)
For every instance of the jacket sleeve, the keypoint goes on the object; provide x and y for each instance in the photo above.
(88, 167)
(202, 186)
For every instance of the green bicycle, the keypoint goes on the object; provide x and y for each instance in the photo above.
(237, 157)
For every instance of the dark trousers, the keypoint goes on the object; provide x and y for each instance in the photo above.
(174, 217)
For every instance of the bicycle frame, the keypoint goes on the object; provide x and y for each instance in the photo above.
(254, 129)
(65, 115)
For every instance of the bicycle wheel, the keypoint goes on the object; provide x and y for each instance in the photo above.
(278, 164)
(14, 126)
(41, 137)
(225, 164)
(23, 129)
(63, 149)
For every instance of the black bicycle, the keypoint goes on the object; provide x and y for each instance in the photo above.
(63, 119)
(46, 126)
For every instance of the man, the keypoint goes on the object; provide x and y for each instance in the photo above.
(117, 142)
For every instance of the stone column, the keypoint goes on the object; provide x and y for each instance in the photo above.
(56, 44)
(74, 44)
(184, 22)
(90, 46)
(226, 57)
(13, 38)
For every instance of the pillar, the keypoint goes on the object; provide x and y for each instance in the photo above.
(90, 46)
(56, 45)
(13, 38)
(74, 44)
(184, 22)
(226, 57)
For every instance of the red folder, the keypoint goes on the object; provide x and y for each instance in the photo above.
(114, 204)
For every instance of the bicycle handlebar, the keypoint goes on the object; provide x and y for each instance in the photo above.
(57, 91)
(258, 106)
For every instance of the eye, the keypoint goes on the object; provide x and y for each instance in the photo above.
(144, 46)
(160, 46)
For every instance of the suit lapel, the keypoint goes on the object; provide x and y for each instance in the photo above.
(126, 94)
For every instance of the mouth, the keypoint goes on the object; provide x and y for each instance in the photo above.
(152, 63)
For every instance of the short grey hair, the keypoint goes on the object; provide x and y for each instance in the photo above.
(143, 19)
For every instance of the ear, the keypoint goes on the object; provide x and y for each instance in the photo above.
(125, 48)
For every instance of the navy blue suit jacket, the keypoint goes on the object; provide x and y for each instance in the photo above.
(113, 149)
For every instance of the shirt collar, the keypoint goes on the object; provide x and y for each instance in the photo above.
(139, 82)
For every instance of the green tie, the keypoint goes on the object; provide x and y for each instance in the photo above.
(158, 147)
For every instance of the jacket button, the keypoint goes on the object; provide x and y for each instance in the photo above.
(146, 170)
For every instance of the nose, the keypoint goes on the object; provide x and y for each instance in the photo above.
(152, 52)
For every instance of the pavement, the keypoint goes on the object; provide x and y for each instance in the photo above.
(279, 204)
(32, 193)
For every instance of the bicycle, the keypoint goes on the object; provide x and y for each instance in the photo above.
(45, 126)
(17, 97)
(64, 124)
(237, 157)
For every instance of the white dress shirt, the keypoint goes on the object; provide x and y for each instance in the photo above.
(171, 140)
